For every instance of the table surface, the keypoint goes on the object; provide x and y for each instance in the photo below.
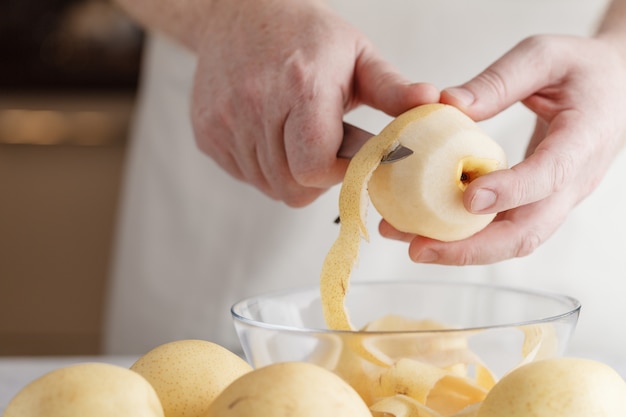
(17, 372)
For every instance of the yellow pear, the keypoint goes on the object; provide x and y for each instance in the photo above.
(86, 389)
(423, 193)
(289, 389)
(188, 374)
(558, 387)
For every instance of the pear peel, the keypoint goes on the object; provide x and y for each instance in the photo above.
(353, 204)
(343, 254)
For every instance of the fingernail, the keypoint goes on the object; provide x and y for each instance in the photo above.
(482, 200)
(426, 255)
(462, 95)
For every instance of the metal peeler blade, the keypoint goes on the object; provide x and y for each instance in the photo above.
(354, 138)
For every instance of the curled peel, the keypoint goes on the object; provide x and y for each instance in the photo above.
(353, 203)
(402, 406)
(429, 385)
(540, 342)
(343, 255)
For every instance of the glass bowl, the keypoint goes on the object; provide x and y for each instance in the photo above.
(460, 327)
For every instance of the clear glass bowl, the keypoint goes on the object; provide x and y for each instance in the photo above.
(497, 326)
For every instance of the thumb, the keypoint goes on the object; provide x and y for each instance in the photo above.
(379, 85)
(512, 78)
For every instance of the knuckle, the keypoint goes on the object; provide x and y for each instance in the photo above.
(551, 172)
(541, 50)
(299, 73)
(561, 172)
(536, 42)
(528, 243)
(498, 79)
(560, 168)
(467, 258)
(492, 80)
(466, 255)
(541, 46)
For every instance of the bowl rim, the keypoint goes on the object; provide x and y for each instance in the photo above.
(573, 309)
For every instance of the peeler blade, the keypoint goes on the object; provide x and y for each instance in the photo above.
(354, 137)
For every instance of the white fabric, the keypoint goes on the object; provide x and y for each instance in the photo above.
(191, 240)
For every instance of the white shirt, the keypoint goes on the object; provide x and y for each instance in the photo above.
(192, 240)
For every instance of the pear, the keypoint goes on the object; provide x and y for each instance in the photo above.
(86, 389)
(420, 194)
(188, 374)
(423, 193)
(558, 387)
(289, 389)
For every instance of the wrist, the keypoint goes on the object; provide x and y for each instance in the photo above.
(216, 20)
(616, 43)
(612, 29)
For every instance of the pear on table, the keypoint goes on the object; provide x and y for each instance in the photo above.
(87, 389)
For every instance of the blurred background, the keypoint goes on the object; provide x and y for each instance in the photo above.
(68, 76)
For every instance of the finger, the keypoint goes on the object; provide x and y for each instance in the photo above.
(390, 232)
(212, 123)
(236, 151)
(312, 136)
(553, 166)
(246, 146)
(516, 233)
(274, 165)
(209, 138)
(539, 133)
(379, 85)
(519, 73)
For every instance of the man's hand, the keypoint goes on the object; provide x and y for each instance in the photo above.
(273, 82)
(577, 89)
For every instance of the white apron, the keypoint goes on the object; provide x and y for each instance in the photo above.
(192, 240)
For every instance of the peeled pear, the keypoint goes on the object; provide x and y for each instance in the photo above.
(423, 193)
(558, 387)
(289, 389)
(188, 374)
(420, 194)
(86, 389)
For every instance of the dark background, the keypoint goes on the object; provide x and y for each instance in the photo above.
(67, 45)
(68, 75)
